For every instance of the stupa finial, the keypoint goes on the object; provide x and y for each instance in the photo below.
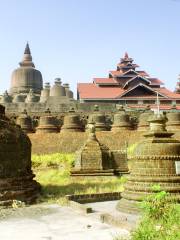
(27, 58)
(27, 49)
(126, 55)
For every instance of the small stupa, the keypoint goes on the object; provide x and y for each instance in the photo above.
(25, 122)
(93, 158)
(47, 123)
(143, 124)
(156, 160)
(121, 120)
(16, 176)
(31, 97)
(72, 122)
(99, 119)
(6, 98)
(173, 123)
(45, 93)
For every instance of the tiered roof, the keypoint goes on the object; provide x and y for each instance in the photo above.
(125, 83)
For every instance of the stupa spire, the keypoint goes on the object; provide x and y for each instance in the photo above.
(126, 55)
(27, 58)
(27, 49)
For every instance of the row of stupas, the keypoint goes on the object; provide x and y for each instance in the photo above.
(156, 161)
(27, 85)
(73, 122)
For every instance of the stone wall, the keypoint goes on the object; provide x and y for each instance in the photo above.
(60, 142)
(57, 107)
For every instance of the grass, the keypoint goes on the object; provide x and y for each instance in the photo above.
(160, 219)
(56, 182)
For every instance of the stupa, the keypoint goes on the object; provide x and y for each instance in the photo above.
(31, 97)
(18, 98)
(69, 93)
(143, 124)
(16, 176)
(47, 124)
(25, 122)
(173, 117)
(26, 77)
(6, 98)
(121, 120)
(93, 158)
(156, 160)
(72, 122)
(45, 93)
(99, 119)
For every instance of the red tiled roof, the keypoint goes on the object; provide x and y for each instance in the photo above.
(116, 73)
(119, 73)
(92, 91)
(155, 81)
(143, 73)
(125, 65)
(141, 97)
(167, 92)
(105, 80)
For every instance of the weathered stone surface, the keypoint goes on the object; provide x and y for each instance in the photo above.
(143, 124)
(45, 93)
(69, 93)
(19, 98)
(119, 161)
(57, 90)
(121, 120)
(72, 122)
(99, 120)
(153, 163)
(31, 97)
(173, 123)
(26, 77)
(93, 158)
(47, 124)
(6, 98)
(25, 122)
(16, 176)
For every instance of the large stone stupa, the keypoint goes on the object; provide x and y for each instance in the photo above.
(16, 176)
(26, 77)
(156, 161)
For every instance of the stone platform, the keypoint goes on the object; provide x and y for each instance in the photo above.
(54, 222)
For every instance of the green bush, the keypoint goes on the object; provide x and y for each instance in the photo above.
(52, 160)
(161, 219)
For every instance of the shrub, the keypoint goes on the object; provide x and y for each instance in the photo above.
(161, 219)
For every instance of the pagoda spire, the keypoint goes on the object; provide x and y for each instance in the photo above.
(27, 58)
(126, 55)
(27, 49)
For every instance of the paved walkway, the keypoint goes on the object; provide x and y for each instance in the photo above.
(53, 222)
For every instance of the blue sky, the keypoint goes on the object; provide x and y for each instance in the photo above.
(81, 39)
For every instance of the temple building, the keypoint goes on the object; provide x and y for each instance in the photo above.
(127, 86)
